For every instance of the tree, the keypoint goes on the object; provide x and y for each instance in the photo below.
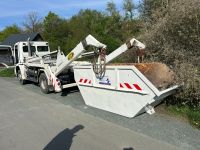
(112, 9)
(55, 30)
(33, 23)
(51, 23)
(14, 29)
(128, 7)
(113, 21)
(130, 26)
(84, 23)
(151, 10)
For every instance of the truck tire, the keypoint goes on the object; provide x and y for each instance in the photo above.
(19, 76)
(43, 83)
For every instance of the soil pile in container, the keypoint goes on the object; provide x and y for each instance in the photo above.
(158, 74)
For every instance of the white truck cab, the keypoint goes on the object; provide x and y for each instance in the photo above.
(37, 48)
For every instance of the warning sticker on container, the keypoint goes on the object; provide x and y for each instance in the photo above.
(105, 81)
(70, 56)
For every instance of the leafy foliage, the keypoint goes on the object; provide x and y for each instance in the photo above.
(14, 29)
(128, 7)
(55, 30)
(172, 36)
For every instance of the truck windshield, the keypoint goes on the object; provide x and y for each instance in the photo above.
(6, 55)
(25, 49)
(5, 51)
(42, 49)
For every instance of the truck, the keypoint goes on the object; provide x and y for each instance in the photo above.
(124, 89)
(6, 56)
(34, 62)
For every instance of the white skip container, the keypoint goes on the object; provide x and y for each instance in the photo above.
(123, 90)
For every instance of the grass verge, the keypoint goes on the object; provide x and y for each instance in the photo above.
(7, 72)
(192, 114)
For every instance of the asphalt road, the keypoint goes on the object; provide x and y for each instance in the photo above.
(30, 120)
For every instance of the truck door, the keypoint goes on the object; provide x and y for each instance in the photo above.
(16, 55)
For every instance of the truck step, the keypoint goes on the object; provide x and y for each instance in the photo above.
(69, 85)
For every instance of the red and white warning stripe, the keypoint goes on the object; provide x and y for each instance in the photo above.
(55, 82)
(85, 81)
(130, 86)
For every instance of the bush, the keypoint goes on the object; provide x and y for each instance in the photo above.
(175, 40)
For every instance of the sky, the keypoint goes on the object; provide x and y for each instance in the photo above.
(15, 11)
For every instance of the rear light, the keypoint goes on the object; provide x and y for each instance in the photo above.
(58, 83)
(56, 80)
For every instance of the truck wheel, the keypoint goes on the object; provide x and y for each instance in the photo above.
(43, 83)
(19, 76)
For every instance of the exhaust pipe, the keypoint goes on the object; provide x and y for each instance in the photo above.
(29, 47)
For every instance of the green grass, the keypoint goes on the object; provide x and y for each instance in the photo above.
(192, 114)
(7, 73)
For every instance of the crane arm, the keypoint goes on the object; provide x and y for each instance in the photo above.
(123, 48)
(76, 52)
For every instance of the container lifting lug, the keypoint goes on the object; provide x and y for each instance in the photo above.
(149, 109)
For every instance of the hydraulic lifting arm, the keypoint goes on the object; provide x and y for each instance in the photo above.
(76, 52)
(127, 46)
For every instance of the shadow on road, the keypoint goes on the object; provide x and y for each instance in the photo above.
(64, 139)
(67, 91)
(128, 148)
